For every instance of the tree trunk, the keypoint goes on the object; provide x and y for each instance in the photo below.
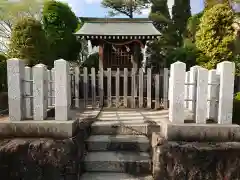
(131, 9)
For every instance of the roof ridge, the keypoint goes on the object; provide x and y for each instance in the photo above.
(114, 20)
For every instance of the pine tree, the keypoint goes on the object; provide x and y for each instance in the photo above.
(160, 15)
(159, 49)
(181, 11)
(126, 7)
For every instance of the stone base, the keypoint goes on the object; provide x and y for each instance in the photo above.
(40, 158)
(199, 132)
(196, 161)
(50, 128)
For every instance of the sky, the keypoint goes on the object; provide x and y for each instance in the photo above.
(93, 8)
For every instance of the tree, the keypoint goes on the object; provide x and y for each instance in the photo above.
(186, 54)
(28, 42)
(91, 61)
(193, 26)
(210, 3)
(159, 49)
(215, 37)
(11, 12)
(126, 7)
(160, 15)
(60, 24)
(181, 11)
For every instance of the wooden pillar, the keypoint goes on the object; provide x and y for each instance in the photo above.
(135, 64)
(135, 56)
(101, 56)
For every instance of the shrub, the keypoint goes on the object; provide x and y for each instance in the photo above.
(236, 109)
(60, 24)
(92, 61)
(215, 36)
(187, 54)
(3, 73)
(28, 42)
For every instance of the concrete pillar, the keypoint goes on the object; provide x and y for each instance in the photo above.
(62, 90)
(40, 92)
(28, 92)
(201, 96)
(187, 78)
(226, 71)
(49, 88)
(176, 99)
(213, 89)
(53, 86)
(192, 89)
(15, 72)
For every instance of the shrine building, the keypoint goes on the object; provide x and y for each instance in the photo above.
(121, 41)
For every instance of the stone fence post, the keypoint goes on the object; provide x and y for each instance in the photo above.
(62, 90)
(40, 92)
(176, 94)
(15, 73)
(226, 71)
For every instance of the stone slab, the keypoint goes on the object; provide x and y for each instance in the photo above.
(32, 128)
(113, 176)
(49, 128)
(200, 132)
(121, 161)
(137, 143)
(129, 127)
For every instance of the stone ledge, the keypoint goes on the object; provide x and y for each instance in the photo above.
(49, 128)
(30, 128)
(200, 132)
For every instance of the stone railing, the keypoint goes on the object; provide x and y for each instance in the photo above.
(208, 94)
(32, 91)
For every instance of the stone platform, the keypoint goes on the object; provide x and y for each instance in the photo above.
(49, 128)
(141, 121)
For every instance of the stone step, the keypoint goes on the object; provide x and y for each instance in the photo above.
(118, 143)
(113, 176)
(124, 127)
(121, 161)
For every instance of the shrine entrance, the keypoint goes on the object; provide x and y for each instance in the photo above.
(121, 80)
(116, 56)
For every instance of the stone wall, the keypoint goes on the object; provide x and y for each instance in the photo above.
(195, 161)
(41, 159)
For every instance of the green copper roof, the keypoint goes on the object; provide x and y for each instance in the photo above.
(117, 27)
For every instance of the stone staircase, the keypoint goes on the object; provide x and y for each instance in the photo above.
(118, 151)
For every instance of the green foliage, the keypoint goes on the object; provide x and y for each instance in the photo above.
(210, 3)
(3, 73)
(92, 61)
(159, 49)
(237, 96)
(127, 8)
(236, 109)
(236, 60)
(60, 24)
(28, 42)
(193, 26)
(186, 54)
(181, 11)
(160, 15)
(12, 11)
(215, 36)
